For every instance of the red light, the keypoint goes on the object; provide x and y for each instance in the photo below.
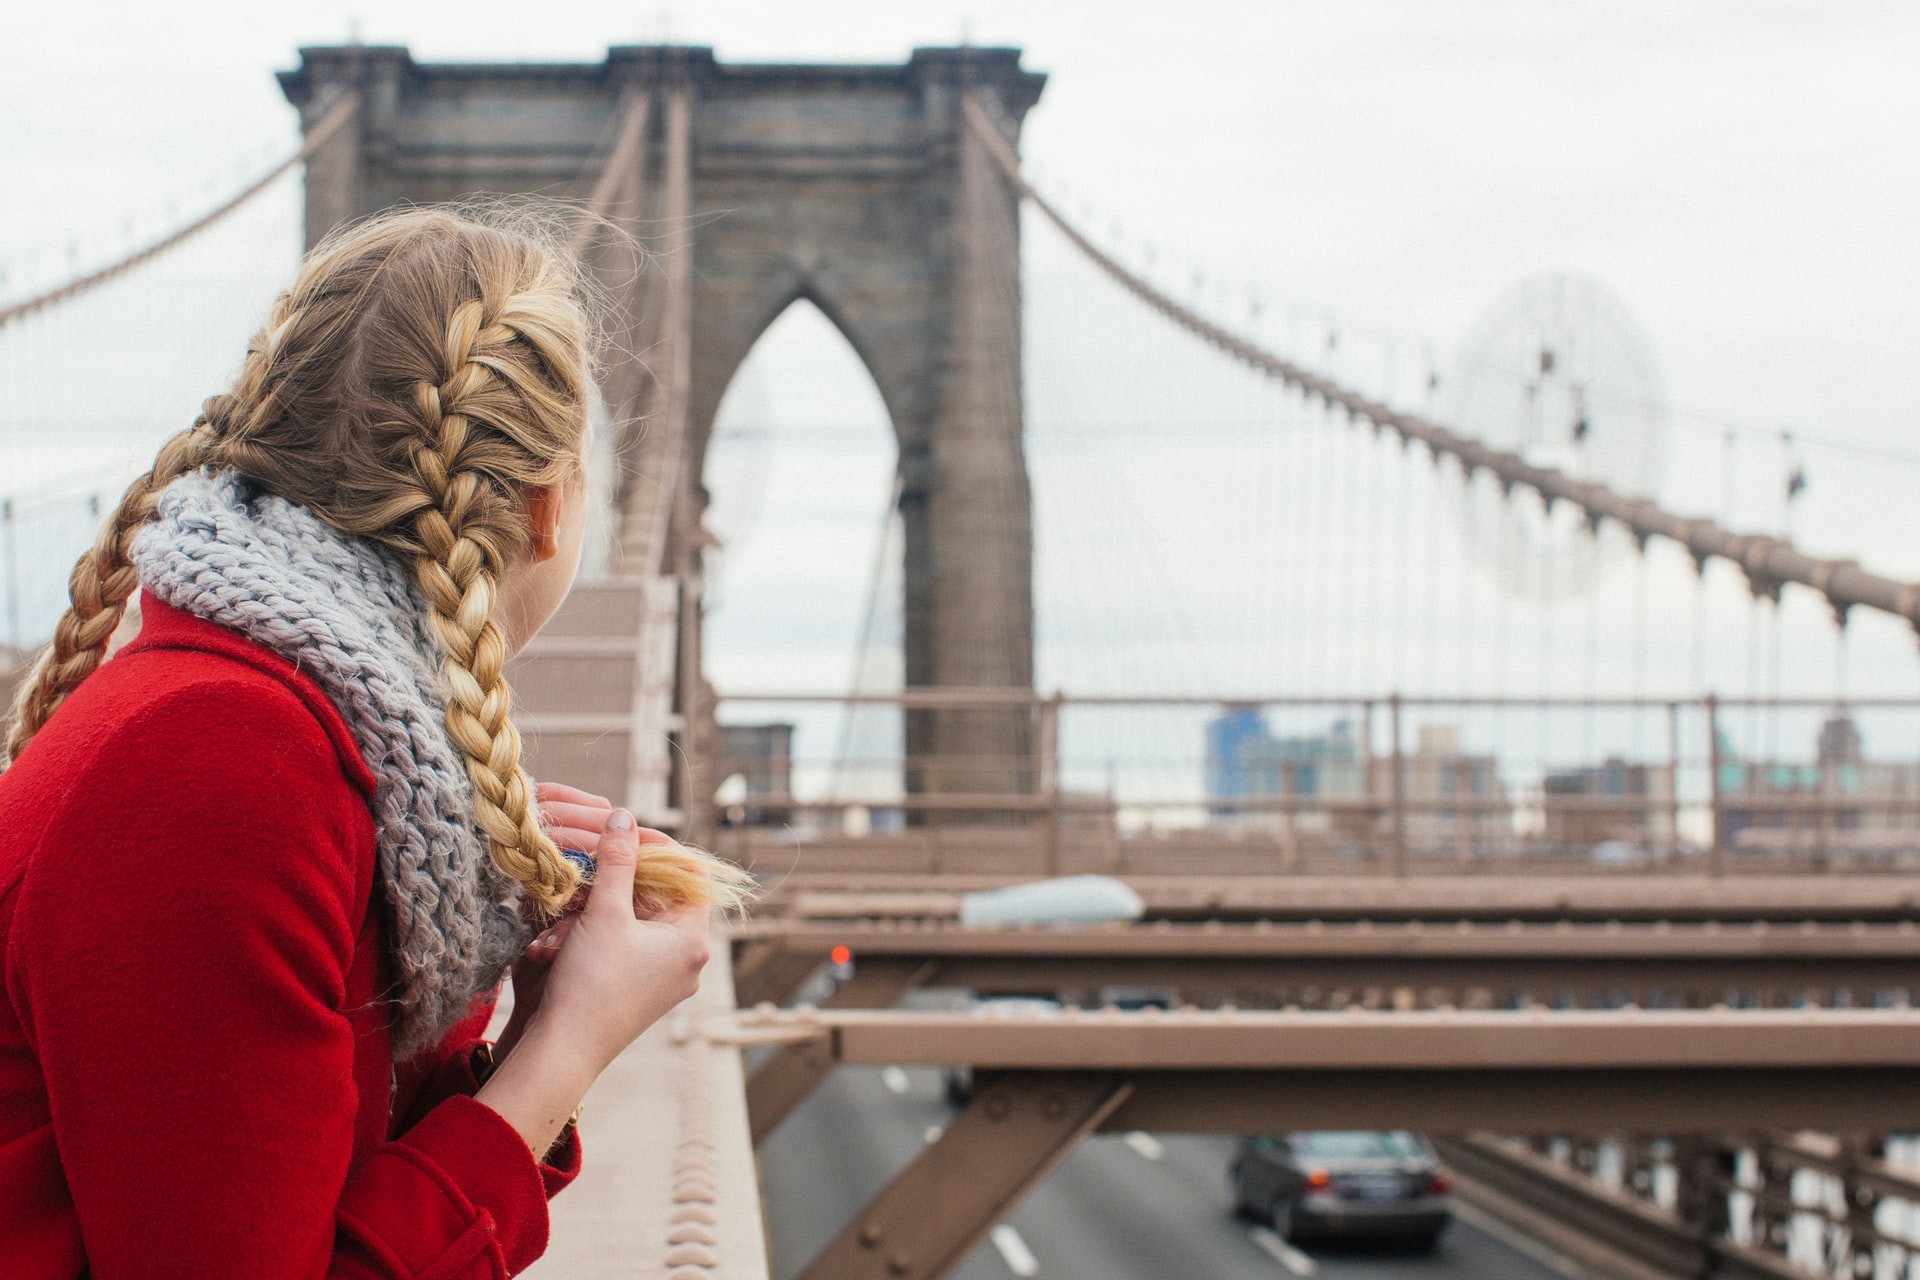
(1319, 1180)
(1440, 1183)
(842, 954)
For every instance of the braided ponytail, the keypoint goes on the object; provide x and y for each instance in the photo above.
(461, 533)
(466, 531)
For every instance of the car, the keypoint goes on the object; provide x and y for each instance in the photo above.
(1384, 1184)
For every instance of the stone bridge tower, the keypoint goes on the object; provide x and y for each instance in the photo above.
(857, 188)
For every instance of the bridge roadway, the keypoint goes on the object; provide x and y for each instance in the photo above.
(1118, 1208)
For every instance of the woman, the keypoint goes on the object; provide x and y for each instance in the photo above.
(262, 872)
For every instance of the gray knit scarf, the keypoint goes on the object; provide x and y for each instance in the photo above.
(346, 612)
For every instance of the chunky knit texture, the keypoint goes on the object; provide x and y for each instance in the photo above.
(347, 613)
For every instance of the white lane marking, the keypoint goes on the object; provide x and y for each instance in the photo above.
(933, 1132)
(1521, 1243)
(1145, 1144)
(1282, 1252)
(1013, 1249)
(896, 1080)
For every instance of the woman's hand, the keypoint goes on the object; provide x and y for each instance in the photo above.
(611, 977)
(574, 819)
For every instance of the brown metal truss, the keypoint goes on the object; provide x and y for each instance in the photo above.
(796, 1070)
(1441, 897)
(1268, 965)
(1015, 1129)
(1445, 1072)
(1611, 1232)
(1041, 1082)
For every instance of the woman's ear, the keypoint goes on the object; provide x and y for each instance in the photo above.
(541, 503)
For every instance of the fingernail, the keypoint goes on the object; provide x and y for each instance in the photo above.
(620, 821)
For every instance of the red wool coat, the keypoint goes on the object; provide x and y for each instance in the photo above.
(195, 1076)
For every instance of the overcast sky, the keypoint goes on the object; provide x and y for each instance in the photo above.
(1742, 176)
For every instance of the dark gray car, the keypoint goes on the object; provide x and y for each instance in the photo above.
(1386, 1184)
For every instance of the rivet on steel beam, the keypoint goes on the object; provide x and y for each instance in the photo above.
(997, 1108)
(899, 1264)
(869, 1234)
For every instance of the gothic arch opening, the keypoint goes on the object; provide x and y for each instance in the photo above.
(804, 583)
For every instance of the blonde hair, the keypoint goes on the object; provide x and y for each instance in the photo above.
(425, 368)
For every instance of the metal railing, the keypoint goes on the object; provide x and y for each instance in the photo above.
(1390, 783)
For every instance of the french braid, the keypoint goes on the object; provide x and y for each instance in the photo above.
(460, 534)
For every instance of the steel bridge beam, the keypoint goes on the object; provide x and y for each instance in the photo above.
(1041, 1083)
(1470, 895)
(1445, 1071)
(1612, 1233)
(1314, 965)
(1014, 1131)
(796, 1070)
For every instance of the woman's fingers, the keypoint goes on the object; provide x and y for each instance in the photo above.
(572, 818)
(557, 815)
(575, 838)
(613, 866)
(560, 792)
(562, 813)
(544, 948)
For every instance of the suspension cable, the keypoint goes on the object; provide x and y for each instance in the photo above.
(1768, 562)
(317, 137)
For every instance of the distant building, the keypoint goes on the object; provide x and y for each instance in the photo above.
(1245, 761)
(1439, 772)
(1613, 801)
(1840, 802)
